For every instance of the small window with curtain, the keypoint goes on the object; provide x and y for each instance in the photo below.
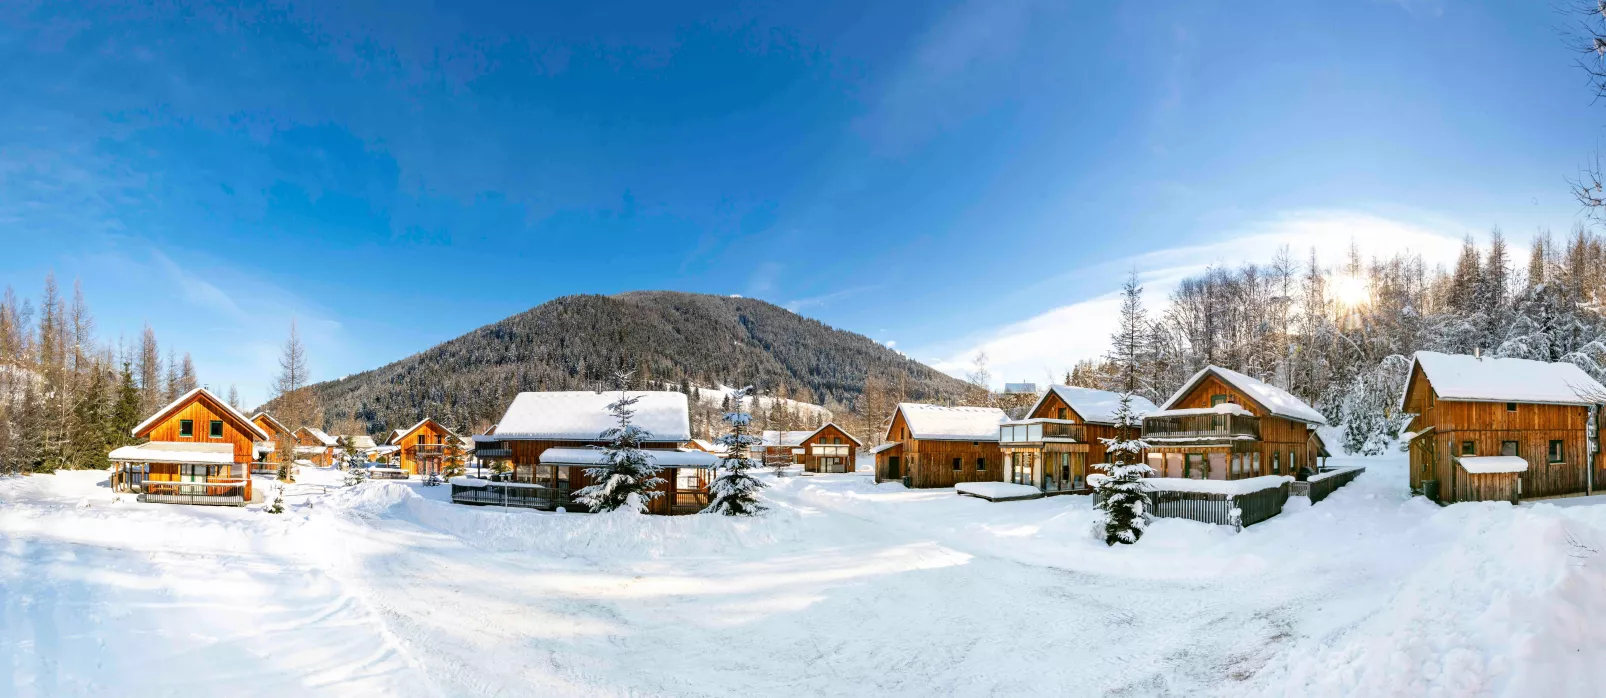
(215, 429)
(186, 427)
(1217, 399)
(1558, 451)
(1469, 448)
(1509, 448)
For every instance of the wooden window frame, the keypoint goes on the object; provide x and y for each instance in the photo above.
(1511, 407)
(1557, 452)
(1469, 448)
(1061, 412)
(214, 429)
(1276, 462)
(186, 428)
(959, 464)
(1515, 451)
(1218, 399)
(981, 464)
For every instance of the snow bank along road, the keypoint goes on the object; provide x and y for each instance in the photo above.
(845, 588)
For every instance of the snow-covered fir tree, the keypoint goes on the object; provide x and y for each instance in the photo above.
(627, 479)
(735, 490)
(1122, 499)
(277, 506)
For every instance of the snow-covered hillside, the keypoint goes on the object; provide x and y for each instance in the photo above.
(847, 588)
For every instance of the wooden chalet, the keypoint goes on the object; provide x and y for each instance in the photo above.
(936, 446)
(1054, 447)
(1224, 425)
(266, 447)
(551, 438)
(315, 446)
(829, 449)
(1488, 429)
(199, 451)
(421, 448)
(778, 444)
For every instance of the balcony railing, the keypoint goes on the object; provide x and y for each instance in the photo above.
(1037, 431)
(225, 493)
(1202, 426)
(428, 449)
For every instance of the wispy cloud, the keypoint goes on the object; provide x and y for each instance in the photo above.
(1053, 341)
(801, 304)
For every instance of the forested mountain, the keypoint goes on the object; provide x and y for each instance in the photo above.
(666, 338)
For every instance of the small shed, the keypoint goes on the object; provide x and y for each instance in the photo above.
(1490, 478)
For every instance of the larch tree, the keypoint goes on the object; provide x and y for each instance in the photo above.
(628, 478)
(293, 402)
(1121, 495)
(734, 491)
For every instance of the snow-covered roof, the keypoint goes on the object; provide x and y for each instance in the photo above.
(1223, 408)
(885, 446)
(952, 423)
(1277, 401)
(710, 446)
(773, 437)
(582, 415)
(301, 450)
(276, 423)
(1493, 464)
(400, 434)
(176, 452)
(362, 441)
(318, 435)
(839, 429)
(1230, 487)
(1094, 405)
(996, 490)
(382, 450)
(1470, 378)
(662, 458)
(185, 398)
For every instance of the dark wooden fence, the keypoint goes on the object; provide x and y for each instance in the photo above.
(387, 474)
(498, 494)
(1212, 508)
(1319, 489)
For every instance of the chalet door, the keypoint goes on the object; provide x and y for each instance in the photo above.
(892, 468)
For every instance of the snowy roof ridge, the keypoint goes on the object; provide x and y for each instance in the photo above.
(937, 422)
(198, 392)
(1094, 405)
(582, 415)
(400, 434)
(211, 453)
(661, 458)
(784, 437)
(1462, 377)
(1277, 401)
(320, 435)
(812, 434)
(280, 425)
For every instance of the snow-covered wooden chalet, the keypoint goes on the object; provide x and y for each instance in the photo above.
(1057, 442)
(421, 448)
(1489, 429)
(199, 451)
(1224, 425)
(937, 446)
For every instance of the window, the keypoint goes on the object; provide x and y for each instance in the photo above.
(1217, 399)
(1558, 451)
(1293, 461)
(215, 429)
(420, 438)
(959, 464)
(1511, 407)
(1276, 463)
(689, 479)
(1468, 448)
(186, 427)
(1193, 465)
(981, 464)
(1255, 457)
(1060, 413)
(1509, 448)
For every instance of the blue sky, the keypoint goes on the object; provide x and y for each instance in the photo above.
(944, 176)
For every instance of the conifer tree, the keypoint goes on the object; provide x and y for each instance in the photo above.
(627, 479)
(453, 457)
(735, 490)
(1121, 495)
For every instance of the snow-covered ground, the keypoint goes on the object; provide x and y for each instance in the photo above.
(845, 588)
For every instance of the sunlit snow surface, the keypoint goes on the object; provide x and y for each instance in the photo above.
(844, 588)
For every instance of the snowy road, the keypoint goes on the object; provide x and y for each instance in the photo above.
(846, 588)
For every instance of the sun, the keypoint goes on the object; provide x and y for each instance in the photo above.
(1351, 291)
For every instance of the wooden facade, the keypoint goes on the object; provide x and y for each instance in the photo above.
(196, 418)
(829, 450)
(681, 493)
(1552, 438)
(312, 449)
(1260, 443)
(422, 449)
(925, 463)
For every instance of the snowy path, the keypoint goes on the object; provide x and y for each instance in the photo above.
(845, 588)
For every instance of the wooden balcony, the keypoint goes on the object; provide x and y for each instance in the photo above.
(1202, 427)
(1037, 431)
(224, 493)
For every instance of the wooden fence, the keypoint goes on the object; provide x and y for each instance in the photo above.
(510, 495)
(1326, 483)
(1212, 508)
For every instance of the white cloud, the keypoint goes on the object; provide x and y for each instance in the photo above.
(1051, 342)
